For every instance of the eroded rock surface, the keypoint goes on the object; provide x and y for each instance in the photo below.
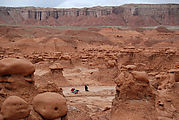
(50, 105)
(10, 66)
(141, 99)
(15, 108)
(134, 96)
(17, 78)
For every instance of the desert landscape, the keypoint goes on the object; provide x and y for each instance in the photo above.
(129, 60)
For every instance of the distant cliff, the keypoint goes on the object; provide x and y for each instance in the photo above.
(126, 15)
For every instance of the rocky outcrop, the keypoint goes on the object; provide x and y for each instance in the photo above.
(134, 96)
(16, 66)
(50, 105)
(139, 98)
(15, 108)
(17, 78)
(127, 15)
(19, 98)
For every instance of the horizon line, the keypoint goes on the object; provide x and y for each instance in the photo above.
(92, 6)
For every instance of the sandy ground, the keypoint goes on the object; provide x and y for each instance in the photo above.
(97, 100)
(95, 96)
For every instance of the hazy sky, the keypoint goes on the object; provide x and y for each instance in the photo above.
(77, 3)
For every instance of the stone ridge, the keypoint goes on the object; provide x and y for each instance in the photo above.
(125, 15)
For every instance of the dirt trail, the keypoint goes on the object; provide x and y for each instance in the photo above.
(92, 89)
(97, 99)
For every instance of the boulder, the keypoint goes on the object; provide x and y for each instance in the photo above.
(50, 105)
(16, 66)
(15, 108)
(133, 85)
(140, 75)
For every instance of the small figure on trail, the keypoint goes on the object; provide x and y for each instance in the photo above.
(86, 88)
(74, 91)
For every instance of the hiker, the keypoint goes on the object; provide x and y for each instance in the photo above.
(86, 88)
(74, 91)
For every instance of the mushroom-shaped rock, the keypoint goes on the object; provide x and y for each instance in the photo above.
(56, 66)
(133, 85)
(16, 66)
(15, 108)
(130, 67)
(50, 105)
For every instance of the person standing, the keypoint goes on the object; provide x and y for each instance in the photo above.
(86, 88)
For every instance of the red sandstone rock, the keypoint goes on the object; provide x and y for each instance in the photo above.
(141, 76)
(34, 116)
(16, 66)
(50, 105)
(133, 85)
(111, 63)
(176, 73)
(15, 108)
(130, 67)
(56, 66)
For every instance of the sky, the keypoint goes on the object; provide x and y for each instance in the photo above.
(77, 3)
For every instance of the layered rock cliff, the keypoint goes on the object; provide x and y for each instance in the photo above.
(125, 15)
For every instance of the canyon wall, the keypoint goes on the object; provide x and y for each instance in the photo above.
(125, 15)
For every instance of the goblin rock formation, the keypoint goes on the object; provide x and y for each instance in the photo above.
(10, 66)
(17, 86)
(15, 108)
(50, 105)
(16, 78)
(166, 98)
(136, 95)
(133, 89)
(133, 84)
(127, 15)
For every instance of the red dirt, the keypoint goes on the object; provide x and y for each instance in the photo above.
(98, 57)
